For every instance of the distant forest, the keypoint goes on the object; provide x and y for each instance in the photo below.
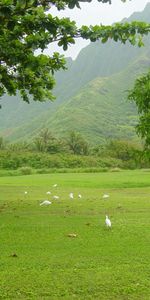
(46, 151)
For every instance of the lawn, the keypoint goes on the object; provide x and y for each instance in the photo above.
(38, 260)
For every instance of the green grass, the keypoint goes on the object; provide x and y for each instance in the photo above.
(97, 264)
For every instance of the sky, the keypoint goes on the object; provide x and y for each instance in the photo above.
(96, 13)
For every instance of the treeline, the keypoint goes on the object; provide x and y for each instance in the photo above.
(45, 142)
(47, 151)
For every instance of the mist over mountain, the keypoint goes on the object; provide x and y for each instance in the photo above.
(90, 96)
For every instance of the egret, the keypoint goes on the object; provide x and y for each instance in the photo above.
(106, 196)
(55, 185)
(72, 235)
(108, 222)
(48, 193)
(55, 197)
(25, 192)
(46, 202)
(71, 195)
(80, 196)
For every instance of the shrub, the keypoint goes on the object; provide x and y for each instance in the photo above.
(26, 162)
(26, 170)
(115, 169)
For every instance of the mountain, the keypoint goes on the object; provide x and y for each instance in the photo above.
(90, 95)
(100, 109)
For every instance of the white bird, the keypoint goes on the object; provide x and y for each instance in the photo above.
(80, 196)
(55, 185)
(107, 222)
(71, 195)
(46, 202)
(56, 197)
(25, 192)
(105, 196)
(48, 193)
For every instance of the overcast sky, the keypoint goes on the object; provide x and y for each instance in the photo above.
(97, 13)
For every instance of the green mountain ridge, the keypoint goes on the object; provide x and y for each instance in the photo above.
(101, 110)
(91, 95)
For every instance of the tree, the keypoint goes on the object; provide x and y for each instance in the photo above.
(77, 143)
(46, 142)
(43, 139)
(122, 149)
(140, 94)
(27, 25)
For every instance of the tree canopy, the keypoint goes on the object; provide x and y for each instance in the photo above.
(26, 26)
(140, 94)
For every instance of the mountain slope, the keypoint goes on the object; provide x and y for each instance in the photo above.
(99, 111)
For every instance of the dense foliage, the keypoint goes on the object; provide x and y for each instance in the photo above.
(26, 26)
(140, 94)
(73, 152)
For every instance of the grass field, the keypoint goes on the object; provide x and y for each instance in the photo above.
(38, 260)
